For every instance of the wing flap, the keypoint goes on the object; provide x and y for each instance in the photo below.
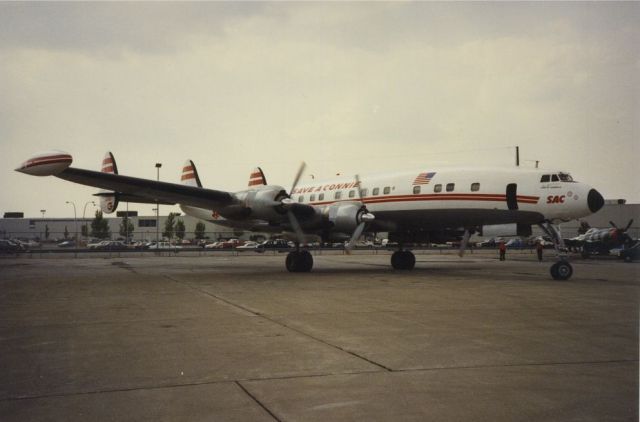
(150, 190)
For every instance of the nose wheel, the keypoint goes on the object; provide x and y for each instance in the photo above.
(403, 260)
(561, 270)
(299, 261)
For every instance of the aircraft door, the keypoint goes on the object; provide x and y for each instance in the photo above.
(512, 196)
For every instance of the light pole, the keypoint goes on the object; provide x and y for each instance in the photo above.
(43, 211)
(85, 210)
(158, 165)
(75, 221)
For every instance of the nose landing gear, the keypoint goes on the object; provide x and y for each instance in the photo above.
(561, 270)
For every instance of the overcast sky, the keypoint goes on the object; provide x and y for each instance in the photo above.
(347, 87)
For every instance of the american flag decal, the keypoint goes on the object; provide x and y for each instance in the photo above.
(424, 178)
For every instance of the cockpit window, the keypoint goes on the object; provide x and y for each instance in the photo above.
(565, 177)
(554, 178)
(545, 178)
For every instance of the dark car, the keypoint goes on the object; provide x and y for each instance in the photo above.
(277, 244)
(8, 246)
(632, 253)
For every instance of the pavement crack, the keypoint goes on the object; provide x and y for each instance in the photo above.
(255, 399)
(281, 324)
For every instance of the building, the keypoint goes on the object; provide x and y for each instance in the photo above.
(144, 228)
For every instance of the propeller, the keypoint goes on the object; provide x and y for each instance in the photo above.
(363, 217)
(287, 202)
(625, 238)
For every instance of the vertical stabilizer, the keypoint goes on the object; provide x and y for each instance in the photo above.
(190, 175)
(108, 203)
(257, 178)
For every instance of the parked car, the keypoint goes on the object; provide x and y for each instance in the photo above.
(274, 244)
(213, 245)
(8, 246)
(97, 245)
(250, 245)
(67, 244)
(167, 246)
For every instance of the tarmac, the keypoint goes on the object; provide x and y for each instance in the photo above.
(238, 338)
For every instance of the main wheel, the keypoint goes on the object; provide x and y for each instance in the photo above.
(561, 270)
(299, 261)
(403, 260)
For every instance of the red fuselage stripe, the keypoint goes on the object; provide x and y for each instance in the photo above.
(443, 197)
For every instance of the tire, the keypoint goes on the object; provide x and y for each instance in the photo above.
(403, 260)
(299, 261)
(561, 270)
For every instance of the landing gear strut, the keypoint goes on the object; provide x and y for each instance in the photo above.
(561, 270)
(299, 261)
(403, 260)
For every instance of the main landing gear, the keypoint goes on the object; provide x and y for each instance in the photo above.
(299, 261)
(561, 270)
(403, 260)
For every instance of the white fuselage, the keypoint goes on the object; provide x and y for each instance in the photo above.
(448, 192)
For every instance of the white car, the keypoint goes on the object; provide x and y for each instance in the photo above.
(164, 246)
(250, 245)
(98, 245)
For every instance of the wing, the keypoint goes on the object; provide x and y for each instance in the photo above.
(149, 191)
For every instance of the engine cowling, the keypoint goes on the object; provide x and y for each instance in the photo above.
(346, 216)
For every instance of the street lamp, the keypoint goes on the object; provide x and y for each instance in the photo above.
(158, 165)
(83, 211)
(43, 211)
(75, 220)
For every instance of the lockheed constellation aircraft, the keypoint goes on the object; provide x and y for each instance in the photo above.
(413, 206)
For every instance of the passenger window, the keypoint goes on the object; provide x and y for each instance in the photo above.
(450, 187)
(437, 188)
(352, 193)
(301, 198)
(321, 197)
(554, 178)
(416, 189)
(312, 198)
(338, 195)
(376, 191)
(475, 187)
(545, 179)
(363, 192)
(386, 190)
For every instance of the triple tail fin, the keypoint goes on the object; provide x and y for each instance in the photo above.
(108, 203)
(256, 178)
(190, 175)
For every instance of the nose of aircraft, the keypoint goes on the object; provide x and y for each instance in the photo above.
(595, 201)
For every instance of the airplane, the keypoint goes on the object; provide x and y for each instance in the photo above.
(422, 205)
(601, 241)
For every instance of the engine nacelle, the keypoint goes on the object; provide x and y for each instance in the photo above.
(261, 204)
(345, 216)
(109, 203)
(498, 230)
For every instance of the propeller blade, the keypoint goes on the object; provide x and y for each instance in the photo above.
(296, 227)
(303, 165)
(356, 235)
(613, 224)
(629, 225)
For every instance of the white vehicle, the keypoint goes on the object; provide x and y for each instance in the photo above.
(250, 245)
(164, 246)
(425, 205)
(98, 245)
